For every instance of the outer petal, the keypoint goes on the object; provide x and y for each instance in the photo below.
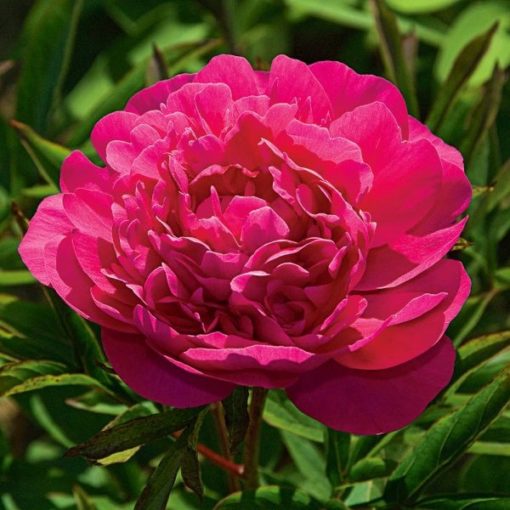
(152, 97)
(407, 257)
(236, 72)
(153, 377)
(402, 342)
(376, 401)
(49, 223)
(347, 90)
(455, 194)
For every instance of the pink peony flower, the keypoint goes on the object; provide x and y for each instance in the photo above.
(282, 229)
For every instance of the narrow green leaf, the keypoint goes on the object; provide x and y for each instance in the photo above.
(448, 439)
(47, 156)
(157, 69)
(15, 277)
(190, 470)
(501, 187)
(371, 467)
(420, 6)
(156, 492)
(281, 413)
(82, 499)
(337, 454)
(48, 37)
(392, 53)
(310, 462)
(133, 433)
(132, 82)
(483, 116)
(340, 12)
(485, 448)
(476, 353)
(268, 498)
(465, 64)
(465, 502)
(18, 372)
(44, 381)
(237, 418)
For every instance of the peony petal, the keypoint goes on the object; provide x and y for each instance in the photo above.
(235, 71)
(424, 324)
(49, 223)
(152, 376)
(79, 172)
(291, 80)
(376, 401)
(407, 257)
(347, 90)
(407, 175)
(114, 126)
(152, 97)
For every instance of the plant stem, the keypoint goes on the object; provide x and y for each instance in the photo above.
(221, 428)
(252, 441)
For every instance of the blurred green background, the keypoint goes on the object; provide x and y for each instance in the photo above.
(66, 63)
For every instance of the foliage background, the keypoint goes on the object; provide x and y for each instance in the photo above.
(66, 63)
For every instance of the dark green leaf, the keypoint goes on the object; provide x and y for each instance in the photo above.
(47, 156)
(132, 82)
(449, 438)
(483, 116)
(465, 502)
(48, 36)
(237, 418)
(134, 433)
(392, 53)
(465, 64)
(281, 413)
(156, 492)
(337, 454)
(268, 498)
(477, 352)
(157, 69)
(82, 499)
(369, 468)
(190, 470)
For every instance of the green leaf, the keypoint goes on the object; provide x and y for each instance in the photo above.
(19, 372)
(463, 67)
(339, 11)
(337, 454)
(268, 498)
(392, 53)
(156, 492)
(465, 502)
(82, 499)
(476, 353)
(132, 82)
(483, 116)
(15, 277)
(237, 418)
(501, 187)
(448, 439)
(48, 37)
(157, 69)
(310, 463)
(371, 467)
(133, 433)
(281, 413)
(190, 470)
(420, 6)
(47, 156)
(43, 381)
(471, 22)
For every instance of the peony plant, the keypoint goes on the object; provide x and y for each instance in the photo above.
(281, 229)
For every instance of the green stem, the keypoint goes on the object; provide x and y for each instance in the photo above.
(252, 441)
